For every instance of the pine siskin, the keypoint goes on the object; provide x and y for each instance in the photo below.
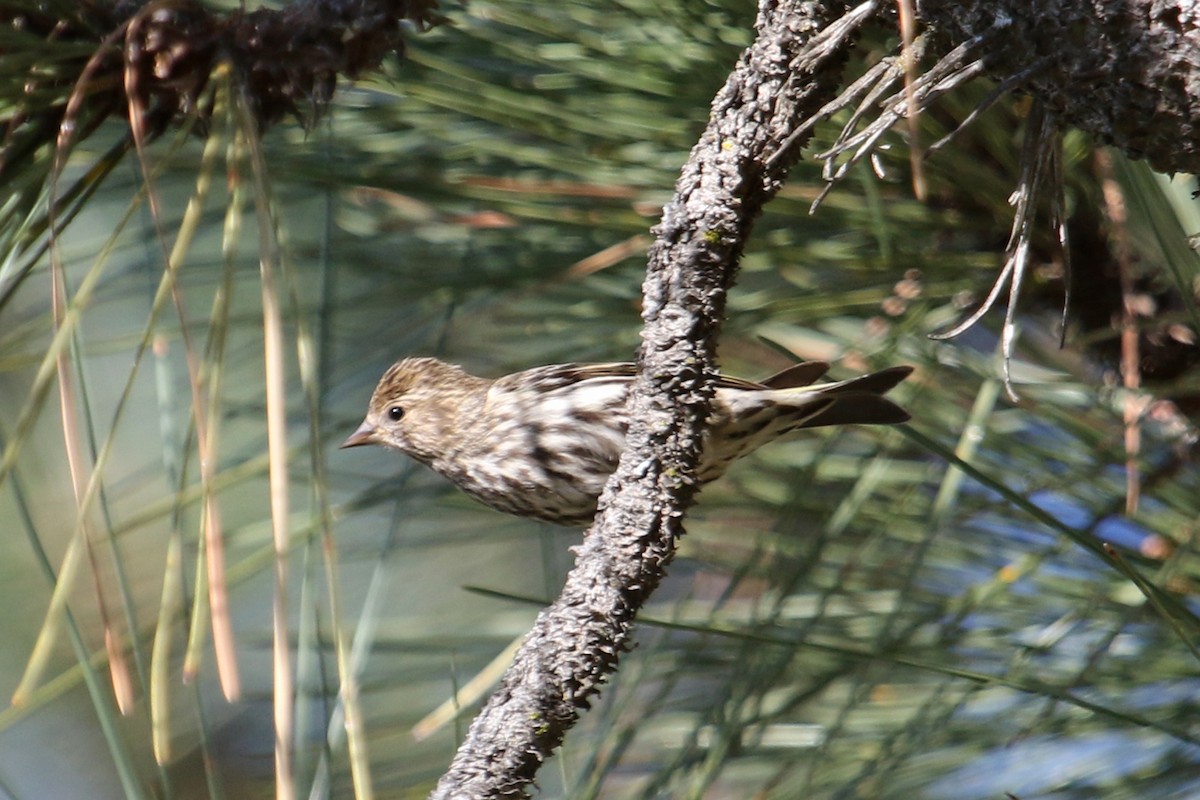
(541, 443)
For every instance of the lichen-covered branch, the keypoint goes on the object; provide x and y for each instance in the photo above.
(1127, 72)
(792, 69)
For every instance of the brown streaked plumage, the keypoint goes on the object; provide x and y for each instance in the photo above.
(542, 442)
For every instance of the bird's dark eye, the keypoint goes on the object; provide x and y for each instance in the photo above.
(395, 413)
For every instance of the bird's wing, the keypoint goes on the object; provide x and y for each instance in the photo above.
(556, 376)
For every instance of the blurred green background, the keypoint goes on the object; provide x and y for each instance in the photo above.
(849, 615)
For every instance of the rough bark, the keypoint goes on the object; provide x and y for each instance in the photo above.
(575, 643)
(1127, 71)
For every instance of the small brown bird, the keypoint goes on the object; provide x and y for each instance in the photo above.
(541, 443)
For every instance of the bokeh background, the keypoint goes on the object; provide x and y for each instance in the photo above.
(851, 614)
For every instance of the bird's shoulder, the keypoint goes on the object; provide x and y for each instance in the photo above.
(558, 376)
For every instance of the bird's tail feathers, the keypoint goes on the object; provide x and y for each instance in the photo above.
(859, 401)
(858, 408)
(880, 382)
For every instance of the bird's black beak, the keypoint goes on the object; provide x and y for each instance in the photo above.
(364, 435)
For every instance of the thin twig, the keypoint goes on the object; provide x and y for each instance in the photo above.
(1135, 405)
(887, 69)
(908, 32)
(1006, 86)
(832, 39)
(1039, 156)
(951, 71)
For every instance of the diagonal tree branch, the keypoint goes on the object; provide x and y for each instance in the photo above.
(792, 69)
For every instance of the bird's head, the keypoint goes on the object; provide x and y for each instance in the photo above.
(414, 407)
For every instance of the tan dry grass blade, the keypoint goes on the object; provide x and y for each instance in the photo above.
(222, 628)
(82, 478)
(160, 661)
(40, 655)
(65, 329)
(352, 716)
(277, 454)
(356, 735)
(55, 362)
(201, 606)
